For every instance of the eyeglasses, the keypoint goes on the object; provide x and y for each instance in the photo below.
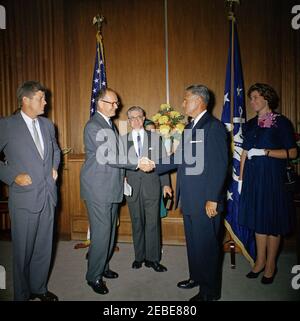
(112, 103)
(136, 118)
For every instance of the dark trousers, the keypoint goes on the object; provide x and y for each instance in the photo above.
(203, 249)
(32, 238)
(145, 220)
(103, 221)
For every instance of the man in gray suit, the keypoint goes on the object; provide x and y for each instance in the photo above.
(144, 204)
(101, 186)
(30, 170)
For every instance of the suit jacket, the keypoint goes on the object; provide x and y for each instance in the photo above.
(102, 174)
(151, 183)
(194, 190)
(22, 156)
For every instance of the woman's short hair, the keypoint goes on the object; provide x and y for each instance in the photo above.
(267, 92)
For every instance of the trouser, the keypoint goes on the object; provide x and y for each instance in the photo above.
(203, 248)
(145, 221)
(32, 238)
(103, 222)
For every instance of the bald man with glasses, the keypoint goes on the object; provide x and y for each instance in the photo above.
(101, 186)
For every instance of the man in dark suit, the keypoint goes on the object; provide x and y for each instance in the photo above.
(30, 170)
(144, 203)
(101, 186)
(201, 162)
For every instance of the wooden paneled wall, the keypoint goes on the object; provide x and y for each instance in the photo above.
(54, 41)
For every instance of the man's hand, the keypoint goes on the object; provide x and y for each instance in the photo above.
(211, 209)
(23, 180)
(146, 165)
(54, 174)
(167, 190)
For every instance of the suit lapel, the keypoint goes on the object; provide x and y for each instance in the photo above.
(203, 120)
(103, 123)
(146, 144)
(131, 153)
(25, 134)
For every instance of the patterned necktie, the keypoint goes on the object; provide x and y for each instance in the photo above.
(110, 123)
(139, 143)
(37, 139)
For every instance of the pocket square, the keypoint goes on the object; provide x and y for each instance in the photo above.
(196, 141)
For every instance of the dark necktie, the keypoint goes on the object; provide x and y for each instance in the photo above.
(139, 143)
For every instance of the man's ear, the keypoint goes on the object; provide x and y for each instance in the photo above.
(25, 100)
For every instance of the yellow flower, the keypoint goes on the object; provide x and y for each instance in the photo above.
(163, 120)
(174, 114)
(164, 129)
(180, 127)
(165, 106)
(156, 117)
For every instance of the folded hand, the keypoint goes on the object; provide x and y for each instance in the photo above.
(23, 180)
(146, 165)
(211, 209)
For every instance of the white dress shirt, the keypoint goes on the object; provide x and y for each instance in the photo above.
(199, 117)
(28, 120)
(134, 138)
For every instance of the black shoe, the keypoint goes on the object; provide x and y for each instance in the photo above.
(155, 266)
(99, 286)
(109, 274)
(137, 264)
(204, 297)
(187, 284)
(48, 296)
(254, 275)
(266, 280)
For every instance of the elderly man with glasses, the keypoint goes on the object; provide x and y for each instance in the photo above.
(144, 203)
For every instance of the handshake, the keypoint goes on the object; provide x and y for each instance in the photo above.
(146, 165)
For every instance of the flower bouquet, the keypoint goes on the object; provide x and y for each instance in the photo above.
(170, 124)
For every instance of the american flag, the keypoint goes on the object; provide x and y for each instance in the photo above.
(240, 234)
(99, 76)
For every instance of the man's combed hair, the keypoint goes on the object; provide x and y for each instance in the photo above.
(28, 89)
(101, 94)
(136, 108)
(267, 92)
(200, 90)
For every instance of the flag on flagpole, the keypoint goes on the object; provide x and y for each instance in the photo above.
(242, 236)
(99, 76)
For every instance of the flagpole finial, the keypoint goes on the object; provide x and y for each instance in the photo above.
(231, 5)
(98, 20)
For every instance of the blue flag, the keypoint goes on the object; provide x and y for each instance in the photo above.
(242, 236)
(99, 76)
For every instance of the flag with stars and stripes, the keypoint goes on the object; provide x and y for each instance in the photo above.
(234, 117)
(99, 76)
